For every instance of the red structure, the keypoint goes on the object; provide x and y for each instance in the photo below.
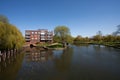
(38, 36)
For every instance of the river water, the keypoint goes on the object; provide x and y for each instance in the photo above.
(83, 62)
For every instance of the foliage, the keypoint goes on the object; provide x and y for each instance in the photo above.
(56, 45)
(62, 33)
(69, 39)
(111, 38)
(80, 39)
(56, 39)
(97, 38)
(10, 37)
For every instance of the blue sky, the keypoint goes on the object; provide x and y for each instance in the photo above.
(83, 17)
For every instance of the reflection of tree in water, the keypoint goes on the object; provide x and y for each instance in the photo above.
(81, 45)
(97, 48)
(63, 63)
(10, 67)
(38, 55)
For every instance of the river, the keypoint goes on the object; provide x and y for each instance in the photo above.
(81, 62)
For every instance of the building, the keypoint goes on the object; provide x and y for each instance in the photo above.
(40, 35)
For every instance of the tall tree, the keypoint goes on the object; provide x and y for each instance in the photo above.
(99, 33)
(63, 32)
(98, 36)
(10, 37)
(117, 31)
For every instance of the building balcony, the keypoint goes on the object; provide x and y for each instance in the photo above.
(27, 34)
(42, 39)
(27, 40)
(27, 37)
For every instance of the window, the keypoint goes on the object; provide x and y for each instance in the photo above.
(32, 32)
(35, 32)
(42, 34)
(27, 36)
(42, 38)
(27, 33)
(49, 33)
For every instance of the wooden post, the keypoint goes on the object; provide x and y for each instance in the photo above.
(8, 54)
(0, 56)
(11, 52)
(4, 55)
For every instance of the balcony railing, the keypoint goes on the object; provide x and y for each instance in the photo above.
(27, 33)
(28, 37)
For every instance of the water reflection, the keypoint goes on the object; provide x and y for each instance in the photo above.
(63, 63)
(95, 62)
(38, 55)
(46, 64)
(83, 62)
(10, 67)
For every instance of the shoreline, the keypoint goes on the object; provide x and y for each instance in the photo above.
(108, 44)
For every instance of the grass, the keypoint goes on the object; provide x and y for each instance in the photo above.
(109, 44)
(55, 45)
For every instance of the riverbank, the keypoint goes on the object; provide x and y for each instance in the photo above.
(109, 44)
(53, 46)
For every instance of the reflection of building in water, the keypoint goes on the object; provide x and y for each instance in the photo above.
(39, 55)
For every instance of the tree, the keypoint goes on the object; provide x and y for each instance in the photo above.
(69, 39)
(117, 31)
(80, 39)
(98, 36)
(109, 38)
(4, 19)
(99, 33)
(56, 39)
(10, 37)
(62, 32)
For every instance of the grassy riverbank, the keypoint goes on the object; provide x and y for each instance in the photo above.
(109, 44)
(57, 46)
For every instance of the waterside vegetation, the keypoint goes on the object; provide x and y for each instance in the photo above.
(109, 40)
(10, 36)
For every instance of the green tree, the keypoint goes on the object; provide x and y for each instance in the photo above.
(80, 39)
(98, 37)
(69, 39)
(62, 32)
(10, 37)
(109, 38)
(56, 39)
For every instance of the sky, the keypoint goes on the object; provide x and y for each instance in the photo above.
(82, 17)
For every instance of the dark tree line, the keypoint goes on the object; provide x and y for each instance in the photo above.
(109, 40)
(62, 33)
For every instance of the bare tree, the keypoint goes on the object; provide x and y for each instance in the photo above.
(117, 32)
